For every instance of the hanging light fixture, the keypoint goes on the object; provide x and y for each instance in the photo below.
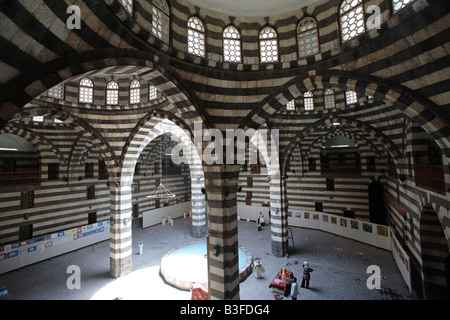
(161, 192)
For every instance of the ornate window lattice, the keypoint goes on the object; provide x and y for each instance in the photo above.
(290, 106)
(400, 4)
(152, 93)
(328, 99)
(161, 20)
(86, 91)
(112, 93)
(351, 97)
(268, 45)
(308, 101)
(57, 91)
(135, 92)
(231, 44)
(307, 37)
(351, 18)
(196, 37)
(128, 5)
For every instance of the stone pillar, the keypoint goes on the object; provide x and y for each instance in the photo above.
(278, 215)
(199, 220)
(120, 251)
(223, 264)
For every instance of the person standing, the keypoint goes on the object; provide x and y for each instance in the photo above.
(306, 275)
(294, 289)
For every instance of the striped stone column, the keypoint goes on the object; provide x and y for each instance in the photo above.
(278, 217)
(199, 220)
(120, 248)
(223, 265)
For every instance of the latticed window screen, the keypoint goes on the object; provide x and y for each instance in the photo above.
(161, 20)
(328, 99)
(400, 4)
(231, 44)
(268, 45)
(290, 106)
(86, 91)
(112, 93)
(152, 93)
(196, 37)
(57, 91)
(351, 97)
(308, 101)
(307, 37)
(135, 92)
(128, 5)
(351, 18)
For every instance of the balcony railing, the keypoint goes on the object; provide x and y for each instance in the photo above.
(20, 178)
(430, 177)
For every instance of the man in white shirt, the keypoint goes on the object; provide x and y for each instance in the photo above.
(294, 289)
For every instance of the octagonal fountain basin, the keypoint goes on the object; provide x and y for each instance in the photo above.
(185, 265)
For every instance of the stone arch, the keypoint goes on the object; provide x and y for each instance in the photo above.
(386, 141)
(351, 135)
(28, 85)
(38, 140)
(147, 130)
(413, 105)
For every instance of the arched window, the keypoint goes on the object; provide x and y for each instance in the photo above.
(268, 45)
(351, 97)
(351, 19)
(86, 91)
(308, 101)
(400, 4)
(290, 106)
(152, 93)
(231, 44)
(128, 5)
(112, 93)
(56, 91)
(196, 37)
(161, 20)
(328, 99)
(307, 37)
(135, 92)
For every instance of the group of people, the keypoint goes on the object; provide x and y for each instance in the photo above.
(305, 280)
(284, 276)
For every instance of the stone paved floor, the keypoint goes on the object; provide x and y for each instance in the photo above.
(339, 265)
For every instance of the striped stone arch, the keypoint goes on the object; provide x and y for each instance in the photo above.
(37, 140)
(391, 148)
(414, 106)
(28, 85)
(84, 129)
(121, 211)
(354, 136)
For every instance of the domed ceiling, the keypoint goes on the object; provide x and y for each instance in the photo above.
(252, 8)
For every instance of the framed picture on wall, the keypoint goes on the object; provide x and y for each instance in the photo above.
(334, 220)
(382, 231)
(325, 218)
(343, 222)
(354, 224)
(367, 227)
